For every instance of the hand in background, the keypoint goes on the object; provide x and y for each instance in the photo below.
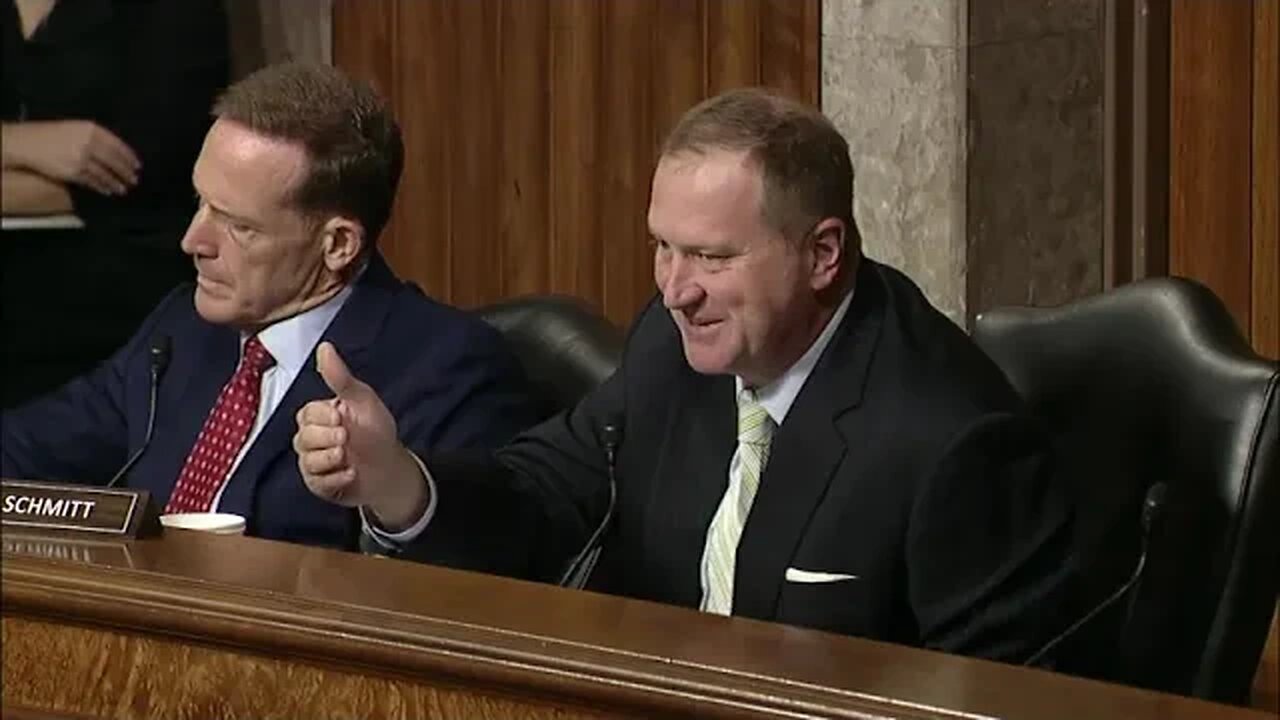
(349, 452)
(73, 151)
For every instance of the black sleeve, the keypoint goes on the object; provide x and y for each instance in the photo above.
(989, 544)
(527, 509)
(174, 63)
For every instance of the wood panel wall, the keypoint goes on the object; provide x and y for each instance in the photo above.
(1224, 158)
(1225, 182)
(265, 32)
(1265, 310)
(531, 127)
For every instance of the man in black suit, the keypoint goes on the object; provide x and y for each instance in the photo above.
(807, 440)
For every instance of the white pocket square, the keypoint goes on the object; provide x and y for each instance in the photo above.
(808, 576)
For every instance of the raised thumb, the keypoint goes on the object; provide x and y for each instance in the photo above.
(335, 372)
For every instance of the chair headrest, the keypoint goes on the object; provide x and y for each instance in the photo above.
(566, 347)
(1173, 327)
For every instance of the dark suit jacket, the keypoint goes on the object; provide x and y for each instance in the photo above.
(906, 460)
(447, 377)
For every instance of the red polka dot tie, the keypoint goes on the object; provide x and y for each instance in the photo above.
(223, 434)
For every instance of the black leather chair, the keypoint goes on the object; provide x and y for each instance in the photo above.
(1149, 383)
(567, 348)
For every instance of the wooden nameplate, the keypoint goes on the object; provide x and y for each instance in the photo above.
(84, 510)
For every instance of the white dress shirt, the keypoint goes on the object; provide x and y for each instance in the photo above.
(777, 398)
(290, 341)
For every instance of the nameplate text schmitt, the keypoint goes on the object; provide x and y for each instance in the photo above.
(77, 509)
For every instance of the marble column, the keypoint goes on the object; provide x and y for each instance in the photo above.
(976, 132)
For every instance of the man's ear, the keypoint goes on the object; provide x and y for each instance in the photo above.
(342, 242)
(828, 238)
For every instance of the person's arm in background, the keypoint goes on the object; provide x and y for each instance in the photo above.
(176, 63)
(66, 153)
(139, 153)
(29, 193)
(41, 159)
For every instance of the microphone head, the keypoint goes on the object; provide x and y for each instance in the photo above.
(611, 434)
(160, 348)
(1153, 503)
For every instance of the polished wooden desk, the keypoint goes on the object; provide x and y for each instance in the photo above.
(201, 626)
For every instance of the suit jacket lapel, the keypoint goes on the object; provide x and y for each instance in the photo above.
(691, 479)
(203, 363)
(805, 453)
(352, 332)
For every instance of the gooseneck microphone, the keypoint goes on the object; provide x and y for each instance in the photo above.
(158, 356)
(1152, 505)
(580, 568)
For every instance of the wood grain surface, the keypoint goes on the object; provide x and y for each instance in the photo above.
(1210, 129)
(1265, 316)
(194, 620)
(1225, 182)
(532, 126)
(111, 674)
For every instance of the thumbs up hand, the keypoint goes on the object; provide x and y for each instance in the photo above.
(349, 452)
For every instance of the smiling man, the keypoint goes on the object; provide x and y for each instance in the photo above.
(804, 438)
(295, 181)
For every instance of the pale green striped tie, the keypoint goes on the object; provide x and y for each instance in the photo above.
(719, 558)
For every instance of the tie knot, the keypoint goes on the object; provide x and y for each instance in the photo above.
(754, 424)
(256, 358)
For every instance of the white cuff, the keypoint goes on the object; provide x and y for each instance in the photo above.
(393, 540)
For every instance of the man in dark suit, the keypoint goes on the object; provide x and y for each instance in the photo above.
(805, 439)
(295, 181)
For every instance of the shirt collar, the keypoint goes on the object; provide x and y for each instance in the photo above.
(778, 396)
(291, 340)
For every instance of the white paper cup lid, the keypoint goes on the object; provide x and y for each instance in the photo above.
(221, 523)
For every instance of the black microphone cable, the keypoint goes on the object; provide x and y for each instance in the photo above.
(584, 563)
(1152, 504)
(159, 360)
